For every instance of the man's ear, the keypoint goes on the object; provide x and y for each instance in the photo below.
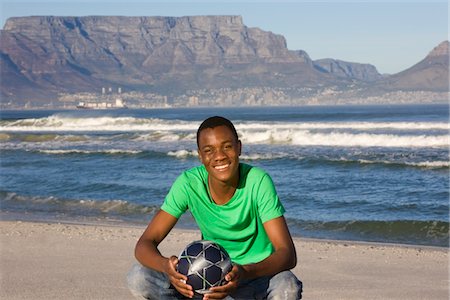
(239, 147)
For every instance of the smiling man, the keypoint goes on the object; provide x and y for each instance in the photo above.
(234, 205)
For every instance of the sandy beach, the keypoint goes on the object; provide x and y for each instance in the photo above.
(73, 261)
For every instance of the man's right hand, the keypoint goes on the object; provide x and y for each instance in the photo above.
(178, 280)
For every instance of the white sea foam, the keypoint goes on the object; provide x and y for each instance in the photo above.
(183, 153)
(343, 139)
(345, 125)
(423, 164)
(342, 134)
(431, 164)
(66, 123)
(77, 151)
(252, 156)
(264, 156)
(60, 123)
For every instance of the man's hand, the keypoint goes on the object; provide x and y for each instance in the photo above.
(178, 280)
(232, 278)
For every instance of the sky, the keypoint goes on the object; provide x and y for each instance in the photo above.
(391, 35)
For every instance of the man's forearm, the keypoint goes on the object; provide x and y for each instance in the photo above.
(281, 260)
(148, 255)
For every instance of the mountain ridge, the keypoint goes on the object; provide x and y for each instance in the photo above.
(42, 58)
(431, 73)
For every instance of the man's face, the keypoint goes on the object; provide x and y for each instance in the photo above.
(219, 151)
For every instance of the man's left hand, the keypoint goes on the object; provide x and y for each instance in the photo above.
(232, 278)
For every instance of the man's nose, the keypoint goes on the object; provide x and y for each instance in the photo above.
(219, 155)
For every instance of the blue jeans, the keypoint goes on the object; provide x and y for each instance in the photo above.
(147, 283)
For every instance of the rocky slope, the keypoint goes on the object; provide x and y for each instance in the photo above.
(430, 74)
(339, 68)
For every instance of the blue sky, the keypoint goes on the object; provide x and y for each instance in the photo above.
(392, 35)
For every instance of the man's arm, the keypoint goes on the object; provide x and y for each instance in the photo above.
(283, 258)
(147, 252)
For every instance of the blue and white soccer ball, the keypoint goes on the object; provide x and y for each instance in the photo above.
(205, 264)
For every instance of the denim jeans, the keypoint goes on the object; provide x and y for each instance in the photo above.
(145, 283)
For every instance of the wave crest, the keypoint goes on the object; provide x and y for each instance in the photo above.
(88, 124)
(342, 139)
(13, 201)
(418, 232)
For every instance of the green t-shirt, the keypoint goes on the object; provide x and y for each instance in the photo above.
(237, 225)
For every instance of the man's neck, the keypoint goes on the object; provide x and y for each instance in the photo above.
(222, 192)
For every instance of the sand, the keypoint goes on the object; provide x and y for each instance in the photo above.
(73, 261)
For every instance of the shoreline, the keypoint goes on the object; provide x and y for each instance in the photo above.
(55, 260)
(418, 103)
(125, 224)
(9, 217)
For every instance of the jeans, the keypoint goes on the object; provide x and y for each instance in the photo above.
(145, 283)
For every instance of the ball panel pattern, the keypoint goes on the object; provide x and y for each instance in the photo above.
(183, 265)
(205, 264)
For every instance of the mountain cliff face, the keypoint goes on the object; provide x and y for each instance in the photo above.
(364, 72)
(42, 57)
(71, 54)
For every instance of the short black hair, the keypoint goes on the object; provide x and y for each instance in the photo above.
(216, 121)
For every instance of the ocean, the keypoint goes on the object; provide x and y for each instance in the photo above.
(358, 173)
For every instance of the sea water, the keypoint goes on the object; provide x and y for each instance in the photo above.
(367, 173)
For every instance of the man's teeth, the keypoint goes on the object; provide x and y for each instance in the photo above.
(221, 167)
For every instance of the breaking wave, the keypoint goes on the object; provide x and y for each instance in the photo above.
(341, 134)
(343, 139)
(105, 123)
(77, 151)
(87, 124)
(403, 231)
(12, 201)
(307, 158)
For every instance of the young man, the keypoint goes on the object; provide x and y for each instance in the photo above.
(235, 205)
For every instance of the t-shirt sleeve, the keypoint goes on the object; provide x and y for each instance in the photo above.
(176, 201)
(269, 205)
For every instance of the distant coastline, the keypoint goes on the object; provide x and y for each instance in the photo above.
(232, 98)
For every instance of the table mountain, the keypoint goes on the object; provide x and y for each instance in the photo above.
(164, 54)
(42, 57)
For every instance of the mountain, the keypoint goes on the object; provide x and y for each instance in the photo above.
(339, 68)
(50, 58)
(161, 54)
(430, 74)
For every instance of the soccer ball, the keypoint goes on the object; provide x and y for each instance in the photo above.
(205, 264)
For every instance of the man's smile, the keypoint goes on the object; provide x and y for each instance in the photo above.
(222, 167)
